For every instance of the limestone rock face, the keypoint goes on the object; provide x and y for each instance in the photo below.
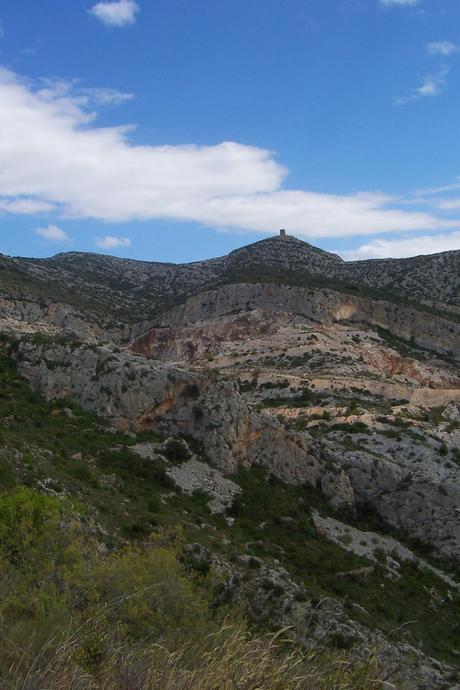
(130, 290)
(406, 484)
(138, 394)
(338, 488)
(372, 544)
(194, 475)
(321, 306)
(26, 316)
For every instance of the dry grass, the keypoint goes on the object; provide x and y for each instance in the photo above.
(231, 659)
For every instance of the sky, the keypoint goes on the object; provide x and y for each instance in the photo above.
(172, 130)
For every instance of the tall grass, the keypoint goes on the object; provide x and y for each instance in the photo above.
(229, 659)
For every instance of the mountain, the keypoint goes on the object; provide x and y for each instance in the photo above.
(431, 277)
(297, 416)
(119, 284)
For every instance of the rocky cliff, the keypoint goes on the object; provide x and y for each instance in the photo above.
(322, 306)
(139, 395)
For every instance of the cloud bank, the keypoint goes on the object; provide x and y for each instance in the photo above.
(53, 158)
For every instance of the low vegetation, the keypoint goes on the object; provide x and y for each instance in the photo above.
(76, 618)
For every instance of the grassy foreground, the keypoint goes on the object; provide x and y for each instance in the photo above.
(73, 618)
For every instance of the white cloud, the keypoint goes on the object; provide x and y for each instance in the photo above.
(438, 190)
(399, 3)
(432, 85)
(399, 248)
(119, 13)
(53, 234)
(100, 98)
(441, 198)
(449, 204)
(111, 242)
(314, 215)
(442, 48)
(51, 153)
(78, 99)
(25, 206)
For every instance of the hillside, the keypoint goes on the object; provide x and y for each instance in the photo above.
(285, 425)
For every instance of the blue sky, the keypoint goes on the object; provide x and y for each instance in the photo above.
(177, 130)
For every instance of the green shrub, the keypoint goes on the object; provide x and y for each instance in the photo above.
(176, 450)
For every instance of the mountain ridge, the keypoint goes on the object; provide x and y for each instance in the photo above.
(434, 277)
(287, 238)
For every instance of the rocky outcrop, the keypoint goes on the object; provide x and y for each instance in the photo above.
(269, 595)
(134, 393)
(318, 305)
(195, 475)
(407, 481)
(282, 358)
(433, 277)
(374, 546)
(27, 315)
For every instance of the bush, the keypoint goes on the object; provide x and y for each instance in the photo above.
(42, 551)
(176, 450)
(52, 582)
